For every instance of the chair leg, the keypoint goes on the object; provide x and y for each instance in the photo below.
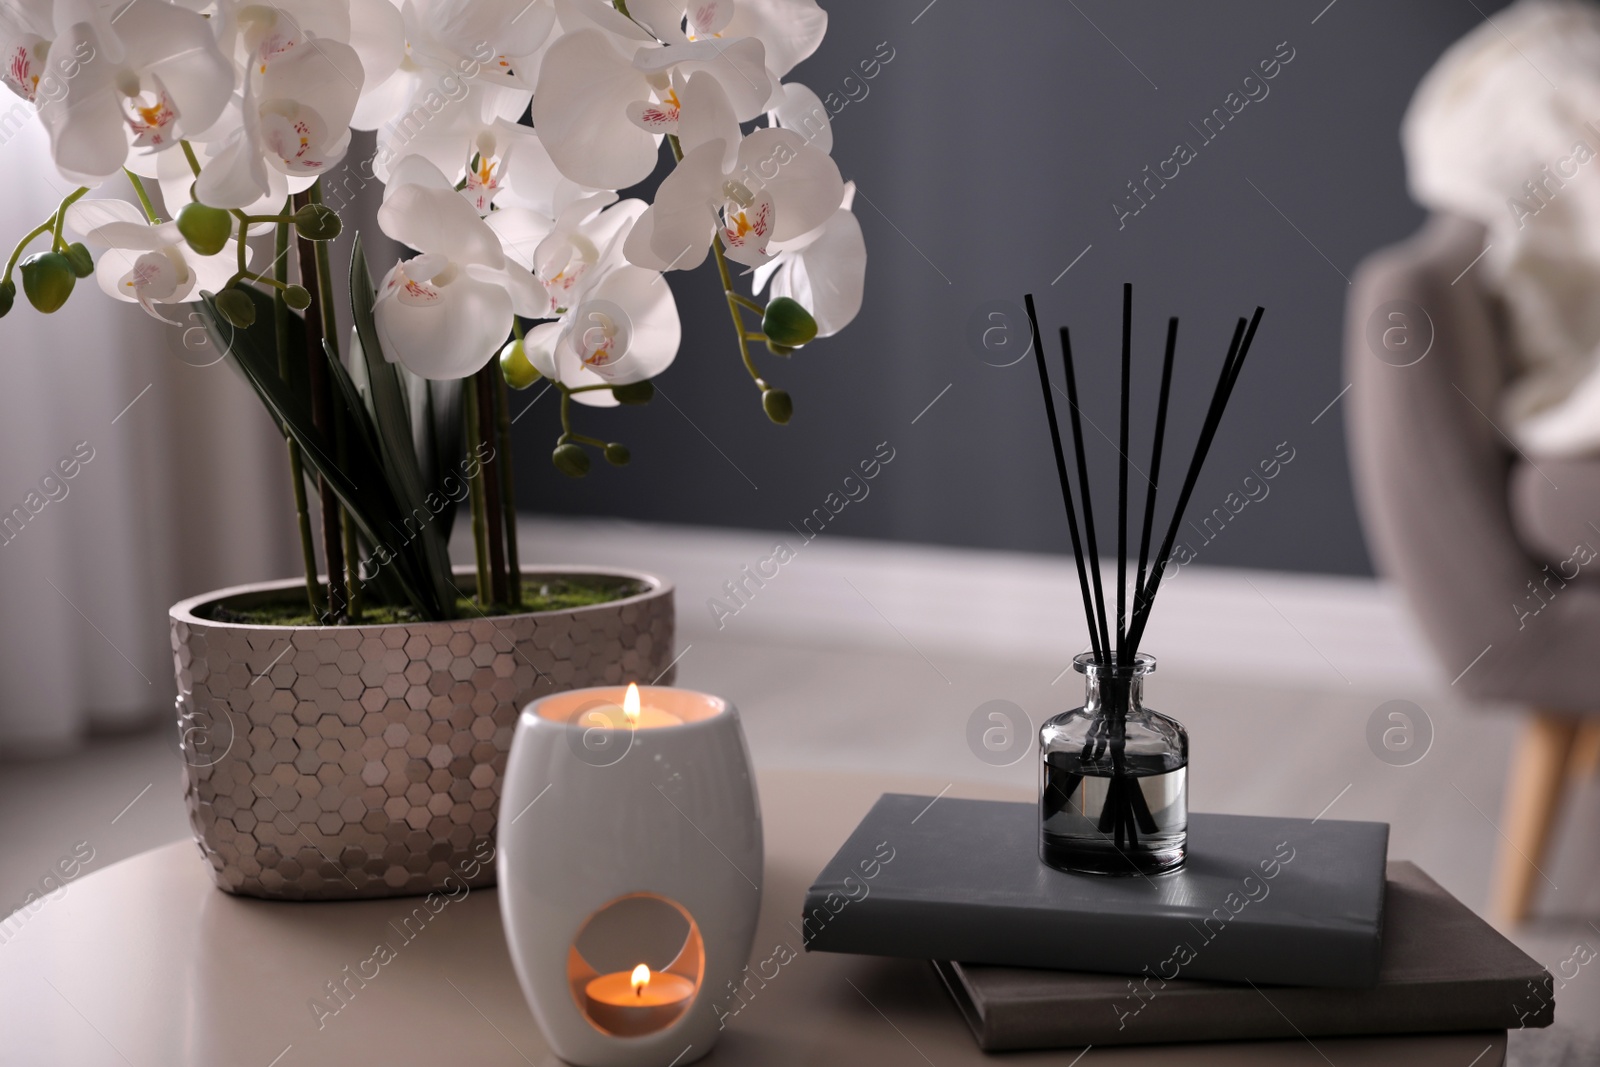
(1586, 750)
(1533, 799)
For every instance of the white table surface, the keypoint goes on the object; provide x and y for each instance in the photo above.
(146, 963)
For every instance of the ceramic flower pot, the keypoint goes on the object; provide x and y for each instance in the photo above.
(326, 763)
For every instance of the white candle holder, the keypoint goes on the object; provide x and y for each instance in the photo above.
(622, 845)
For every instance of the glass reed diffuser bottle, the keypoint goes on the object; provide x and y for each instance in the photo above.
(1113, 774)
(1113, 785)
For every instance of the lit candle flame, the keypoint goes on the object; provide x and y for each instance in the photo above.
(630, 709)
(641, 973)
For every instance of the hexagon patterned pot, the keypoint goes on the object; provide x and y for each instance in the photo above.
(338, 762)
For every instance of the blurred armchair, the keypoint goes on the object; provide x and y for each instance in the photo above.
(1498, 556)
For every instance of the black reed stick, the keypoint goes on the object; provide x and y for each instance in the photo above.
(1155, 453)
(1237, 351)
(1122, 475)
(1146, 596)
(1083, 492)
(1061, 471)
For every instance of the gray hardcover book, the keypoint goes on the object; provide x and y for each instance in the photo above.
(1443, 970)
(1271, 901)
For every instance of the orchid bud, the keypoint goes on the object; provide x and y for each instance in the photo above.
(318, 222)
(206, 229)
(297, 297)
(777, 405)
(571, 460)
(8, 296)
(515, 368)
(82, 262)
(787, 323)
(236, 307)
(48, 279)
(779, 350)
(634, 392)
(617, 454)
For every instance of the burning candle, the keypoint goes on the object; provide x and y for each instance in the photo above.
(630, 1004)
(646, 716)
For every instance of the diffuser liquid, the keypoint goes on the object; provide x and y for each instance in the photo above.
(1093, 820)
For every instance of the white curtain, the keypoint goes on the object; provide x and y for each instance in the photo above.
(179, 486)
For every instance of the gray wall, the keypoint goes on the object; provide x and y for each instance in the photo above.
(989, 154)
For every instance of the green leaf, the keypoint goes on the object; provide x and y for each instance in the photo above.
(445, 431)
(360, 481)
(391, 416)
(356, 418)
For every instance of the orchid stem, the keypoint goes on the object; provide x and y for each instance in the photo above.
(262, 279)
(42, 228)
(56, 243)
(735, 299)
(330, 338)
(188, 154)
(144, 197)
(280, 323)
(733, 309)
(480, 521)
(508, 503)
(51, 225)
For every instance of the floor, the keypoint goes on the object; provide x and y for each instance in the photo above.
(901, 700)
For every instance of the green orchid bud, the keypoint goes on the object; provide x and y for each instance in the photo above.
(777, 405)
(236, 307)
(779, 350)
(82, 262)
(8, 296)
(318, 222)
(571, 460)
(297, 297)
(48, 279)
(634, 392)
(206, 229)
(617, 454)
(515, 366)
(787, 323)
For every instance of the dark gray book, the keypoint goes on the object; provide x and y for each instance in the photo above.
(1443, 970)
(1271, 901)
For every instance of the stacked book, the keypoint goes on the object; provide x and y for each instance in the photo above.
(1273, 929)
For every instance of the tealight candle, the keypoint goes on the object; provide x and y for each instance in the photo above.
(630, 1004)
(647, 716)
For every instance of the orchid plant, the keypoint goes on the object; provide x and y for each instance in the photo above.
(226, 118)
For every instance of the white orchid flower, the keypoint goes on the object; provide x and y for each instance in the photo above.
(790, 30)
(621, 325)
(772, 186)
(499, 40)
(795, 107)
(145, 263)
(26, 27)
(444, 313)
(257, 33)
(604, 99)
(145, 79)
(824, 270)
(294, 118)
(470, 138)
(448, 44)
(561, 249)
